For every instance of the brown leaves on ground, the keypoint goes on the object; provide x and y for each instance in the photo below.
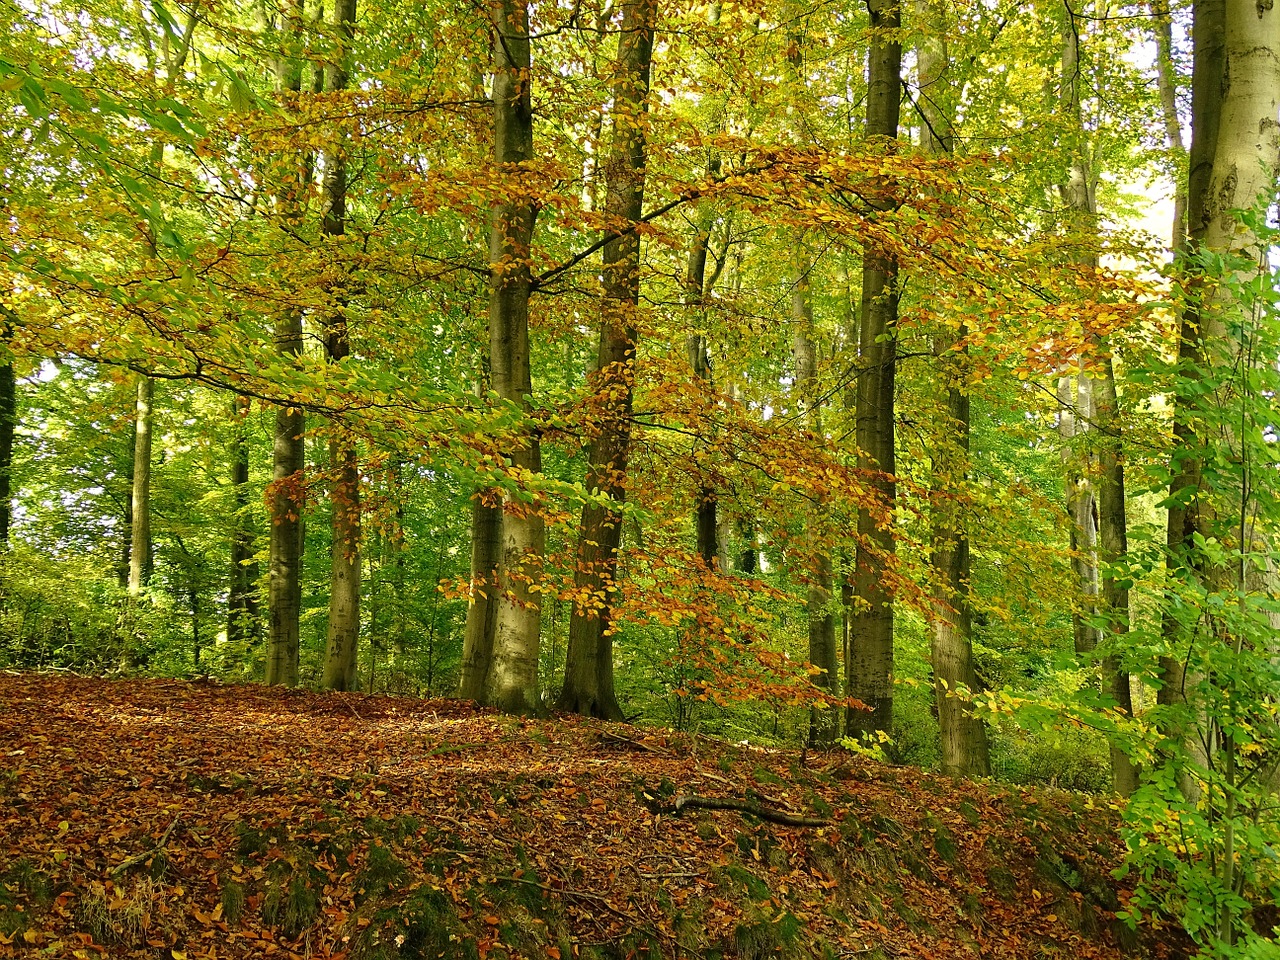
(166, 819)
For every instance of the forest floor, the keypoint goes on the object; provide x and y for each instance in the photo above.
(176, 820)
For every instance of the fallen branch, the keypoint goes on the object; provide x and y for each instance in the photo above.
(146, 855)
(636, 744)
(693, 802)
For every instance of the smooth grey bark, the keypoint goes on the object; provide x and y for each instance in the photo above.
(242, 601)
(588, 683)
(1075, 417)
(870, 663)
(511, 683)
(965, 748)
(1167, 85)
(140, 554)
(343, 638)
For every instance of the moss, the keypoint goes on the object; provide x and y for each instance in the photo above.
(292, 898)
(944, 844)
(26, 879)
(382, 873)
(232, 901)
(735, 876)
(253, 842)
(766, 936)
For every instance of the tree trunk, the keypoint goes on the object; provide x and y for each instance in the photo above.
(870, 664)
(140, 537)
(512, 677)
(289, 445)
(242, 600)
(1185, 465)
(1110, 528)
(965, 750)
(706, 522)
(8, 421)
(822, 625)
(344, 581)
(486, 555)
(588, 682)
(1167, 84)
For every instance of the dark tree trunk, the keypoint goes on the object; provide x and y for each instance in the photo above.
(870, 664)
(242, 601)
(588, 683)
(289, 446)
(345, 566)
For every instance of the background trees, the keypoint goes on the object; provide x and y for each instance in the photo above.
(498, 337)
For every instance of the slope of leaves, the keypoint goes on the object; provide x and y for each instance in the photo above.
(184, 820)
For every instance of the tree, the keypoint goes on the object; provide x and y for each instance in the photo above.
(345, 578)
(965, 751)
(512, 675)
(870, 659)
(289, 446)
(588, 684)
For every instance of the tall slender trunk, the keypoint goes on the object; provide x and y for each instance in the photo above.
(706, 523)
(1111, 545)
(8, 421)
(242, 599)
(870, 664)
(486, 555)
(512, 677)
(1075, 419)
(140, 557)
(1185, 464)
(344, 580)
(965, 750)
(823, 722)
(289, 445)
(588, 682)
(1167, 85)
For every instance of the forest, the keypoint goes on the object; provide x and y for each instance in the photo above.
(890, 379)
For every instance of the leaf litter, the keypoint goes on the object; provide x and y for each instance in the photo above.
(185, 820)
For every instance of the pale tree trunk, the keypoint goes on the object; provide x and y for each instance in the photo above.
(512, 678)
(1167, 84)
(588, 684)
(289, 445)
(1245, 165)
(1111, 545)
(242, 599)
(823, 721)
(140, 546)
(965, 750)
(818, 609)
(344, 581)
(870, 664)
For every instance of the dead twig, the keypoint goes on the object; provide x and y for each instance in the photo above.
(575, 894)
(146, 855)
(693, 802)
(637, 744)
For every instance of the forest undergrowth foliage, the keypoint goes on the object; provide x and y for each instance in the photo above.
(793, 375)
